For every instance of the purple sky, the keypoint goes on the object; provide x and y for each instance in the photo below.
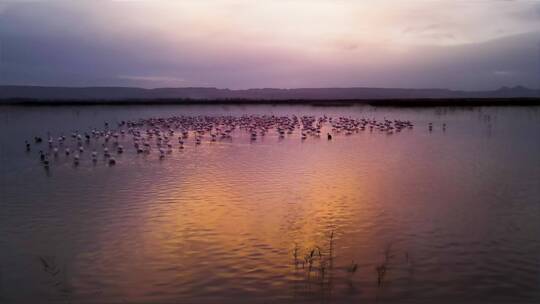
(472, 45)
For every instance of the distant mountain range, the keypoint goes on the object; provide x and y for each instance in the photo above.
(267, 94)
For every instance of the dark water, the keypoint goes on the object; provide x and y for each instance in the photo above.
(449, 216)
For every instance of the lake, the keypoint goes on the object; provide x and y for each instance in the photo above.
(444, 215)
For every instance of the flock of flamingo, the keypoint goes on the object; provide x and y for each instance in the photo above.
(162, 135)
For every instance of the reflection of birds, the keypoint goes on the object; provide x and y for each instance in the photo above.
(161, 153)
(353, 267)
(43, 158)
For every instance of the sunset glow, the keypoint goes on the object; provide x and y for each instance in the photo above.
(243, 44)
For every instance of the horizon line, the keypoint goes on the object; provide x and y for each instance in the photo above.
(267, 88)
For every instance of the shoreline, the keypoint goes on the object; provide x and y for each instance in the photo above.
(405, 103)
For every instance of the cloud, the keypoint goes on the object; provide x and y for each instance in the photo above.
(153, 78)
(152, 81)
(504, 73)
(240, 44)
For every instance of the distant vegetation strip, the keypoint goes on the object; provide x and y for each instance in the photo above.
(420, 102)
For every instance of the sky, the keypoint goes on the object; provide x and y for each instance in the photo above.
(455, 44)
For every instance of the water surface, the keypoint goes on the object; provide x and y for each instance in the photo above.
(453, 215)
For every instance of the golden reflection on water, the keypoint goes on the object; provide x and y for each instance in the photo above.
(237, 214)
(219, 222)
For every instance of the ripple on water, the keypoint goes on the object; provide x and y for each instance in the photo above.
(219, 222)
